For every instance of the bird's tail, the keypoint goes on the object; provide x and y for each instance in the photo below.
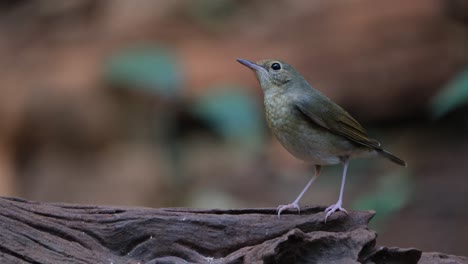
(392, 157)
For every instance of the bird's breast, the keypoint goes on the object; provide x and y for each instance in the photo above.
(301, 136)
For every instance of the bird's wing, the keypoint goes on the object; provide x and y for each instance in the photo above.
(329, 115)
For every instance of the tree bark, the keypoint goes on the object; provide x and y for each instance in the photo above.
(33, 232)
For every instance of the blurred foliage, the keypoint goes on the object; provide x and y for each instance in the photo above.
(153, 70)
(145, 76)
(452, 96)
(392, 193)
(233, 113)
(212, 13)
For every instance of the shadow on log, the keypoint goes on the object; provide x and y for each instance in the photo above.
(32, 232)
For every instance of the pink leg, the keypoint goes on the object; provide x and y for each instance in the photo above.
(337, 207)
(295, 204)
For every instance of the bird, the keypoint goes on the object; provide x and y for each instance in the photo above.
(311, 126)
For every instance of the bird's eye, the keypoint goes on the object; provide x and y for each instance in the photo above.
(276, 66)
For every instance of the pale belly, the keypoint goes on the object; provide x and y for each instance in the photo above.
(306, 140)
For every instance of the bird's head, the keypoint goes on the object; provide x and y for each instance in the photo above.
(273, 74)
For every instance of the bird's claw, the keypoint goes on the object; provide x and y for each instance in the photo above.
(281, 208)
(331, 209)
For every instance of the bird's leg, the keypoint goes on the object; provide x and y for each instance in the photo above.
(295, 204)
(337, 207)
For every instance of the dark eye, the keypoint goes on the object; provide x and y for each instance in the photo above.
(276, 66)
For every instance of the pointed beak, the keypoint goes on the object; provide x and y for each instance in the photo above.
(251, 65)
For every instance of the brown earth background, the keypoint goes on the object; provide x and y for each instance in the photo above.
(72, 130)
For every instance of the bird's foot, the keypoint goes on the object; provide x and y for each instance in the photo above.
(293, 205)
(333, 208)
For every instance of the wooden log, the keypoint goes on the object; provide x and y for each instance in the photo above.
(33, 232)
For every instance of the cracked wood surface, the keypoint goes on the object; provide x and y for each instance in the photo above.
(32, 232)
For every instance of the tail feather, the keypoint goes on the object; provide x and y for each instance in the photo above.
(392, 157)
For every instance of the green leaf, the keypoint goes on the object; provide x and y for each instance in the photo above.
(233, 113)
(149, 69)
(393, 192)
(452, 96)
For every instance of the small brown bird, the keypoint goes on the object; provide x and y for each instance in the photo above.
(310, 126)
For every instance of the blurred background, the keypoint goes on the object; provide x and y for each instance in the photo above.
(142, 103)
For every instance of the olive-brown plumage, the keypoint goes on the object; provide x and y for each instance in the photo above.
(309, 125)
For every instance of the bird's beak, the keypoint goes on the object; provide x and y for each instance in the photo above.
(251, 65)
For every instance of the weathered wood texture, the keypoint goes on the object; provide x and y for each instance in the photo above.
(32, 232)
